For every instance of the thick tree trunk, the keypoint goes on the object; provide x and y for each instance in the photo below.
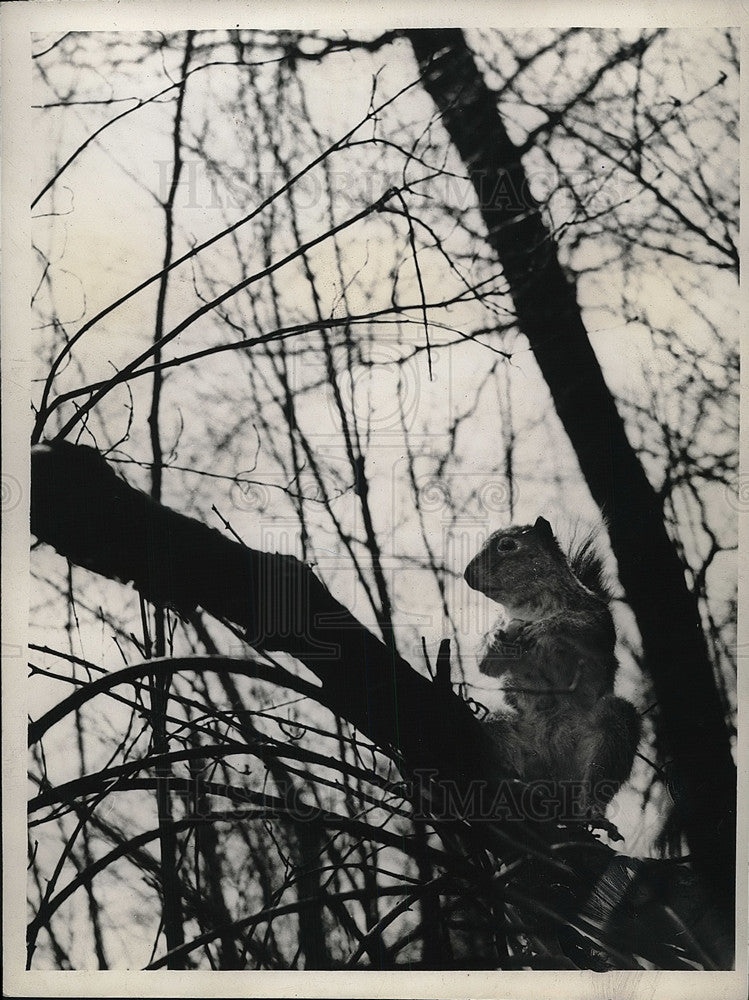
(691, 717)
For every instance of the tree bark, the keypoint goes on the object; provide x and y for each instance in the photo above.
(692, 724)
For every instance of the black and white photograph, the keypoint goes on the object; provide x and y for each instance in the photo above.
(372, 501)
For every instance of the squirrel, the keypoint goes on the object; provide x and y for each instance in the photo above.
(556, 660)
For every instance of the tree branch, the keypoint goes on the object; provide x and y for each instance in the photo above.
(87, 513)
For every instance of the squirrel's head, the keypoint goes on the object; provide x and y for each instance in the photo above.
(521, 568)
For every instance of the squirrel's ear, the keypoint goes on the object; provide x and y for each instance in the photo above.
(544, 528)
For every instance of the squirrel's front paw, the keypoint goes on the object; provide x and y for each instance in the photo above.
(523, 633)
(511, 633)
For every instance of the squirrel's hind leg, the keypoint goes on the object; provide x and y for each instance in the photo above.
(610, 749)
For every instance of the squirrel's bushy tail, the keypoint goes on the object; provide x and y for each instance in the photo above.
(587, 565)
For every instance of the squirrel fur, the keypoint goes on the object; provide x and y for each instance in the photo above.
(555, 659)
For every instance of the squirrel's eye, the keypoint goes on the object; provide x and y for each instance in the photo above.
(507, 544)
